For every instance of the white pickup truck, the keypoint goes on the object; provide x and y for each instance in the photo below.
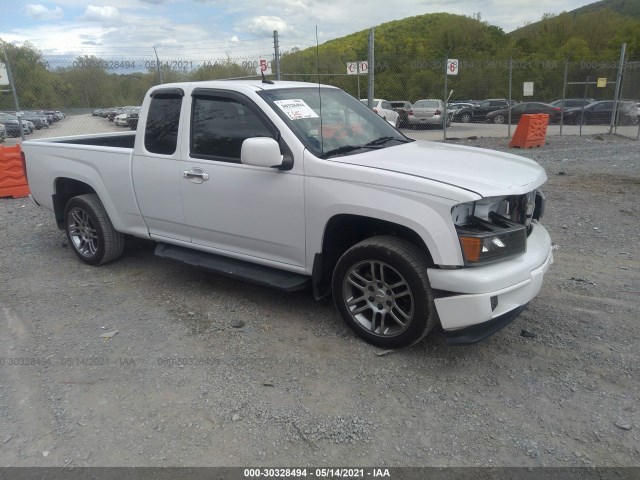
(294, 185)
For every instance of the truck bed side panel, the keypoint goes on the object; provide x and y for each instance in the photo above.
(105, 169)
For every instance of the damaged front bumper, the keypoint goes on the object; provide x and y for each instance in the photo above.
(481, 300)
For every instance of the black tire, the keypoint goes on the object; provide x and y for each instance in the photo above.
(499, 119)
(90, 232)
(384, 279)
(465, 118)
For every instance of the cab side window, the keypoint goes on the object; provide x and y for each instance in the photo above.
(163, 120)
(220, 125)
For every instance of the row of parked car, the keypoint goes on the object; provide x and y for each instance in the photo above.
(15, 124)
(120, 116)
(574, 111)
(404, 114)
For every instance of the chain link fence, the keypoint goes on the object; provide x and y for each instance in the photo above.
(95, 93)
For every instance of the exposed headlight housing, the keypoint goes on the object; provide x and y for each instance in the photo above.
(485, 241)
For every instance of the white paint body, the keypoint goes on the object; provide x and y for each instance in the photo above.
(278, 217)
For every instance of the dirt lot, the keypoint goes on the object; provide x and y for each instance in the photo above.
(209, 371)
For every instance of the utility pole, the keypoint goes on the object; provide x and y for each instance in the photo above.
(371, 64)
(158, 64)
(276, 49)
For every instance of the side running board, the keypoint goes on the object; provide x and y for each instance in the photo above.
(231, 267)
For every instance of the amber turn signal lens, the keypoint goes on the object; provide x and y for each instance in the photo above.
(471, 248)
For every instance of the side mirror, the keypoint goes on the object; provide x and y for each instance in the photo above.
(261, 152)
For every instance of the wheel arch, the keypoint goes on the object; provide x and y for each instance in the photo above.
(65, 189)
(341, 232)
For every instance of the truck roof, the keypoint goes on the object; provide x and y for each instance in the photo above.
(254, 84)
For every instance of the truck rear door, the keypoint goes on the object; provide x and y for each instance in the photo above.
(156, 167)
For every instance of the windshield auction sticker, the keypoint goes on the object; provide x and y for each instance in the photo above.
(296, 109)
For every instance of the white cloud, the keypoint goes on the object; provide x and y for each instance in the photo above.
(234, 39)
(101, 14)
(40, 12)
(263, 25)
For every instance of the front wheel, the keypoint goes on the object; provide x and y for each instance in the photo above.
(90, 232)
(499, 119)
(382, 291)
(465, 118)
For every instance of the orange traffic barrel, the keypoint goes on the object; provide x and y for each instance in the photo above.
(13, 178)
(531, 131)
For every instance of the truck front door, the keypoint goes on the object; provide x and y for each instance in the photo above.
(255, 212)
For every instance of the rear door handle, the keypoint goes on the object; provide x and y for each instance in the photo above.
(196, 172)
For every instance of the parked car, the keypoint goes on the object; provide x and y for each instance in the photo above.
(502, 115)
(57, 114)
(39, 121)
(385, 110)
(427, 112)
(572, 102)
(12, 125)
(3, 133)
(121, 120)
(132, 118)
(599, 113)
(478, 112)
(49, 116)
(402, 107)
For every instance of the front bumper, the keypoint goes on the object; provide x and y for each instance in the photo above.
(490, 294)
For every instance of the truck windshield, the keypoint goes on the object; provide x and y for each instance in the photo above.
(330, 122)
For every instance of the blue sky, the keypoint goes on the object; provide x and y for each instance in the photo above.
(218, 29)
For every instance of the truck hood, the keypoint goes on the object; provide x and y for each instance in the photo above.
(488, 173)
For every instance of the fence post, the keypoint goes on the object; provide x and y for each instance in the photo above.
(276, 48)
(158, 64)
(444, 119)
(616, 95)
(564, 93)
(370, 91)
(510, 83)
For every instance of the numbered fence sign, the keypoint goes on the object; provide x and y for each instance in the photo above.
(452, 66)
(354, 68)
(264, 66)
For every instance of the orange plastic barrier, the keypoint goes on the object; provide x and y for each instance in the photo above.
(531, 131)
(13, 182)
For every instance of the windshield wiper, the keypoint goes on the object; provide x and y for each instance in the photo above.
(344, 149)
(383, 140)
(377, 143)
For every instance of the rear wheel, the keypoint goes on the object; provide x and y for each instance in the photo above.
(90, 232)
(382, 291)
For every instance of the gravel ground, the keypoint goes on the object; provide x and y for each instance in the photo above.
(207, 371)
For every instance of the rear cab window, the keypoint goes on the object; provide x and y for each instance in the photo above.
(163, 121)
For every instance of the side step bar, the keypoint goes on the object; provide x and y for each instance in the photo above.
(231, 267)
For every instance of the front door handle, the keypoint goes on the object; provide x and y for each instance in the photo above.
(196, 172)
